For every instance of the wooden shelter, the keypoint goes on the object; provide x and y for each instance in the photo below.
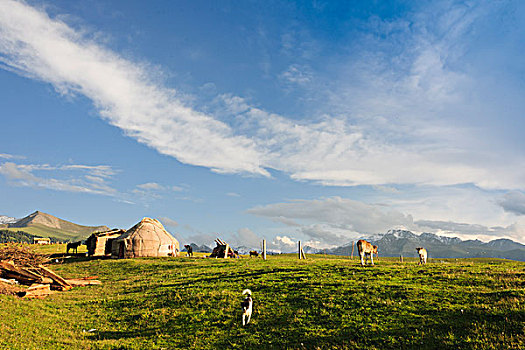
(42, 240)
(99, 243)
(222, 250)
(147, 238)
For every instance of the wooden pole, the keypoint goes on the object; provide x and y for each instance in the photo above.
(226, 251)
(352, 250)
(264, 249)
(299, 251)
(401, 258)
(302, 253)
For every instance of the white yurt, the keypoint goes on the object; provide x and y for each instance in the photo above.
(147, 238)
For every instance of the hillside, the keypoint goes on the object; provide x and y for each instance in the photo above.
(324, 302)
(46, 225)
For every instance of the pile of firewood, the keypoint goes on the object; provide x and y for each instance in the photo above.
(20, 266)
(22, 255)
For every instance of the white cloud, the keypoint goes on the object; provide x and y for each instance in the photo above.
(151, 186)
(298, 75)
(334, 220)
(178, 188)
(37, 46)
(90, 182)
(248, 238)
(104, 171)
(283, 244)
(393, 126)
(473, 231)
(10, 156)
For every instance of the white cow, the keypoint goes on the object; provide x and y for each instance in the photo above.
(422, 255)
(366, 249)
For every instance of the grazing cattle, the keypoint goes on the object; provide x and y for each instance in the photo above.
(189, 250)
(422, 255)
(366, 250)
(254, 253)
(73, 246)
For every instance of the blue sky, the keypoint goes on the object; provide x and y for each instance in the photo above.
(318, 121)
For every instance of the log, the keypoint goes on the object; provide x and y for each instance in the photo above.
(23, 275)
(79, 282)
(36, 291)
(56, 278)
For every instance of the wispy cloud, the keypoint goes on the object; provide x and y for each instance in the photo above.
(337, 220)
(79, 178)
(334, 220)
(469, 231)
(155, 190)
(392, 126)
(10, 156)
(37, 46)
(151, 186)
(297, 75)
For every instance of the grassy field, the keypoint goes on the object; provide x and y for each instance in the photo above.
(324, 302)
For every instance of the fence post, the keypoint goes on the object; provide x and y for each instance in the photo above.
(299, 251)
(264, 250)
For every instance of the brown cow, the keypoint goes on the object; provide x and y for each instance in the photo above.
(253, 253)
(366, 249)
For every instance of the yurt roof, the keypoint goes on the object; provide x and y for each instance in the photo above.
(148, 230)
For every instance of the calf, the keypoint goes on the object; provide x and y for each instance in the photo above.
(189, 250)
(366, 249)
(422, 255)
(253, 253)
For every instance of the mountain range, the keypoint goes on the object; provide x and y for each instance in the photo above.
(401, 242)
(393, 243)
(45, 225)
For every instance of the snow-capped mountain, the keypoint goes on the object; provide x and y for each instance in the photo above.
(403, 242)
(7, 220)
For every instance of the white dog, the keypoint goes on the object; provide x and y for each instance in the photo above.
(247, 307)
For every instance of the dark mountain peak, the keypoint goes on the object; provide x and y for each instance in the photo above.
(505, 244)
(199, 248)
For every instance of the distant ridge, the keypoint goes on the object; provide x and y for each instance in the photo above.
(401, 242)
(46, 225)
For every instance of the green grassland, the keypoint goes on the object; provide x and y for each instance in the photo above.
(324, 302)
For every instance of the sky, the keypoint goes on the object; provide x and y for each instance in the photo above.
(319, 121)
